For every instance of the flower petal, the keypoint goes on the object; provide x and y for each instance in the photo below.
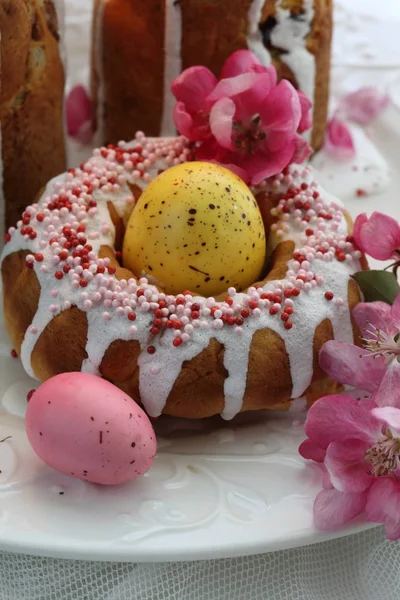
(193, 86)
(380, 236)
(249, 92)
(244, 61)
(183, 120)
(390, 416)
(388, 392)
(364, 105)
(357, 227)
(263, 164)
(374, 313)
(335, 418)
(395, 313)
(351, 365)
(306, 118)
(311, 451)
(302, 150)
(78, 108)
(347, 467)
(332, 508)
(280, 115)
(338, 140)
(221, 122)
(383, 505)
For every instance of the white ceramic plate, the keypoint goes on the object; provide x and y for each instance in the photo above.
(216, 489)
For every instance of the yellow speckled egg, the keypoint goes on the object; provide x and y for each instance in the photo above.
(197, 226)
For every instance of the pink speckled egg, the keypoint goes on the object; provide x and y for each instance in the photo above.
(86, 427)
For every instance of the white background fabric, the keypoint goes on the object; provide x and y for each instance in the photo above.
(362, 567)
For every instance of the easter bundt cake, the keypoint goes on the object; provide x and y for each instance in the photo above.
(139, 48)
(266, 272)
(32, 146)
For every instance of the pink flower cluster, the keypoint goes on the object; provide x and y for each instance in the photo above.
(356, 435)
(245, 121)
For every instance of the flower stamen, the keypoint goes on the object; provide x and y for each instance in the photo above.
(247, 137)
(380, 343)
(384, 456)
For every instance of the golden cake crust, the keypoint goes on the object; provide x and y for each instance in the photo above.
(31, 106)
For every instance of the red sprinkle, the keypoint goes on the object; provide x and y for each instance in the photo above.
(83, 282)
(132, 316)
(30, 394)
(58, 275)
(328, 295)
(39, 257)
(288, 325)
(177, 342)
(14, 353)
(151, 349)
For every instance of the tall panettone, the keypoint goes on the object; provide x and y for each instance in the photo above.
(31, 101)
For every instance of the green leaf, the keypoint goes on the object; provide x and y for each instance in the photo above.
(377, 285)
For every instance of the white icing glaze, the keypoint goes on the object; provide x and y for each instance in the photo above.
(368, 172)
(172, 62)
(290, 35)
(254, 37)
(159, 370)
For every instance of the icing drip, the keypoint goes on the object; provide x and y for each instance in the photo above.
(254, 37)
(64, 233)
(289, 35)
(172, 62)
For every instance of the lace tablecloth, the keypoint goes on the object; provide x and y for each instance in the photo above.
(360, 567)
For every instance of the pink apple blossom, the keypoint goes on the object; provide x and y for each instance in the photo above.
(359, 445)
(79, 113)
(338, 139)
(378, 235)
(364, 105)
(191, 115)
(376, 367)
(245, 121)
